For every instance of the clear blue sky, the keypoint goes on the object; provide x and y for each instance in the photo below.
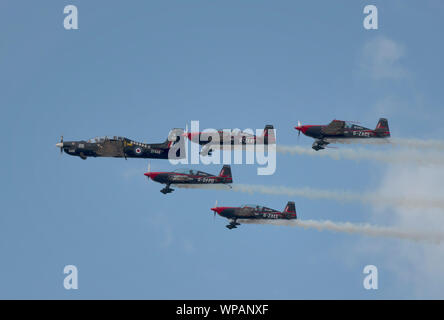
(138, 69)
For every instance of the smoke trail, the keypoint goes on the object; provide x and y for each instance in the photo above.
(343, 196)
(397, 142)
(347, 227)
(418, 143)
(388, 156)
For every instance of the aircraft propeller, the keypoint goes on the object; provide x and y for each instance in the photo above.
(299, 131)
(214, 215)
(60, 144)
(185, 133)
(149, 170)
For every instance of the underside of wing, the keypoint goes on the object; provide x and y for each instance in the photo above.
(357, 140)
(203, 186)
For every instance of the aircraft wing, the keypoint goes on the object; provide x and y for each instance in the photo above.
(202, 186)
(181, 178)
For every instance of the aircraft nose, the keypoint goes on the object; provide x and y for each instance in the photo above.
(59, 145)
(217, 209)
(155, 176)
(302, 129)
(192, 135)
(223, 211)
(151, 175)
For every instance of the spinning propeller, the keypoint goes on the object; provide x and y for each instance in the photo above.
(185, 133)
(214, 215)
(299, 125)
(149, 170)
(60, 145)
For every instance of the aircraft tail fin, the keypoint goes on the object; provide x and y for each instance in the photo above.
(269, 134)
(225, 172)
(173, 137)
(266, 130)
(382, 128)
(290, 207)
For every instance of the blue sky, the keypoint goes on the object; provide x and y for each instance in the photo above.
(140, 69)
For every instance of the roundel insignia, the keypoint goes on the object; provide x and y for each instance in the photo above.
(138, 150)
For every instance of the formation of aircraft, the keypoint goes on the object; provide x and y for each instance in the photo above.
(339, 131)
(186, 178)
(254, 212)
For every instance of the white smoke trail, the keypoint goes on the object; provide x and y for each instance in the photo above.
(418, 143)
(397, 142)
(347, 227)
(388, 156)
(344, 196)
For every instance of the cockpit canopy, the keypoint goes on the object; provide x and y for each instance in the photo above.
(102, 139)
(192, 172)
(235, 132)
(184, 171)
(352, 125)
(259, 208)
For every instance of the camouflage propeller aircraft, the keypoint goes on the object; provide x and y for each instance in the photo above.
(121, 147)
